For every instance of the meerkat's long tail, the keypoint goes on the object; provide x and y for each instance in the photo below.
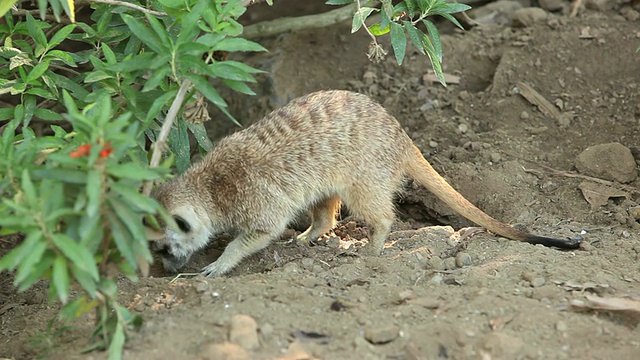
(421, 171)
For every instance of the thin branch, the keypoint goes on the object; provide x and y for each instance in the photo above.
(132, 6)
(161, 141)
(278, 26)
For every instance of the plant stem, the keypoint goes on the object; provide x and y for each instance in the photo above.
(161, 141)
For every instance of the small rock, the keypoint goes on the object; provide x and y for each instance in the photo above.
(585, 245)
(524, 115)
(433, 144)
(612, 161)
(307, 263)
(266, 330)
(435, 263)
(528, 16)
(243, 331)
(498, 12)
(463, 128)
(629, 13)
(449, 263)
(538, 282)
(464, 95)
(381, 335)
(224, 351)
(634, 211)
(495, 157)
(551, 5)
(463, 259)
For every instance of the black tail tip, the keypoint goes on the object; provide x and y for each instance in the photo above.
(573, 243)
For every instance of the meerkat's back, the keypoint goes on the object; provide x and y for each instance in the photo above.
(319, 150)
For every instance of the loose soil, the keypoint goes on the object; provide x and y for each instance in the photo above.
(437, 291)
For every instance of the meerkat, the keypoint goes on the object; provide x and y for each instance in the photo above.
(318, 151)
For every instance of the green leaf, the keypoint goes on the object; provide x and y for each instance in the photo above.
(109, 55)
(156, 78)
(158, 105)
(5, 6)
(46, 114)
(179, 143)
(452, 8)
(117, 343)
(94, 192)
(206, 89)
(29, 108)
(17, 255)
(415, 36)
(87, 283)
(144, 34)
(159, 29)
(339, 2)
(453, 20)
(29, 190)
(28, 263)
(60, 278)
(135, 199)
(435, 38)
(36, 272)
(132, 171)
(133, 222)
(237, 44)
(6, 113)
(35, 31)
(238, 86)
(70, 176)
(200, 133)
(122, 238)
(377, 31)
(398, 42)
(228, 70)
(38, 71)
(77, 254)
(61, 35)
(359, 17)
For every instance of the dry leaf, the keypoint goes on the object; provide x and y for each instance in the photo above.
(598, 194)
(538, 100)
(448, 78)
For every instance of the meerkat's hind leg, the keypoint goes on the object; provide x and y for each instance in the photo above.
(245, 244)
(376, 209)
(323, 219)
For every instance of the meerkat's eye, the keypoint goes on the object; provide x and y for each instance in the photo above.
(182, 224)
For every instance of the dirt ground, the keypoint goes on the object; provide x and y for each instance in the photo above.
(436, 292)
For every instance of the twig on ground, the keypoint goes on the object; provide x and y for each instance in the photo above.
(570, 174)
(160, 144)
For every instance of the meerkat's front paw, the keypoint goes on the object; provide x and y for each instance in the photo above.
(212, 270)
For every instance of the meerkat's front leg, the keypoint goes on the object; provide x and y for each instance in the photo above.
(245, 244)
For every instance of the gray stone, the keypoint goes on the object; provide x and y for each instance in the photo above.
(612, 161)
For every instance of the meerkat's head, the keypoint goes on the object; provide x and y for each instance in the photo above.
(176, 244)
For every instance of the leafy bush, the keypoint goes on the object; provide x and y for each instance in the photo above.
(134, 75)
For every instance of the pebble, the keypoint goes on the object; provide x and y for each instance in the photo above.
(495, 157)
(463, 128)
(463, 259)
(551, 5)
(634, 211)
(612, 161)
(538, 282)
(449, 263)
(224, 351)
(524, 115)
(243, 331)
(381, 334)
(433, 144)
(266, 330)
(528, 16)
(307, 263)
(435, 263)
